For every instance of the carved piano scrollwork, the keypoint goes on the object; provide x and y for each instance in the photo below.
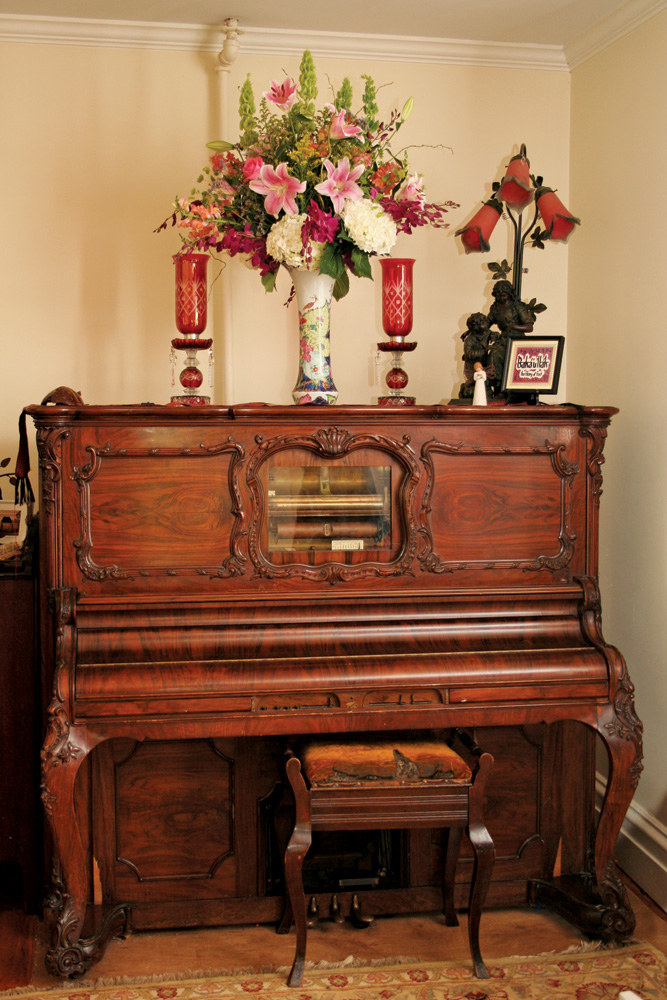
(493, 500)
(161, 510)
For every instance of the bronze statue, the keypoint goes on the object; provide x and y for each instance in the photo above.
(513, 318)
(475, 352)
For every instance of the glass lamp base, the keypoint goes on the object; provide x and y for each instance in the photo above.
(397, 400)
(190, 400)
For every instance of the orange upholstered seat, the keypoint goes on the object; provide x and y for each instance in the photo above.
(397, 761)
(385, 785)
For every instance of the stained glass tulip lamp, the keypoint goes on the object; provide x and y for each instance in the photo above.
(397, 324)
(191, 296)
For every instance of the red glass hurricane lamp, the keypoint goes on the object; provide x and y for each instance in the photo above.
(191, 316)
(397, 324)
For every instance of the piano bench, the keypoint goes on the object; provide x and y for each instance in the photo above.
(399, 784)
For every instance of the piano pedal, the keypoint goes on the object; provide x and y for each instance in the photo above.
(313, 916)
(336, 912)
(357, 918)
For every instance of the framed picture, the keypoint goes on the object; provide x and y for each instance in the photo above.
(532, 364)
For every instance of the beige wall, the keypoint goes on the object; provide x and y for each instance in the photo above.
(98, 141)
(617, 349)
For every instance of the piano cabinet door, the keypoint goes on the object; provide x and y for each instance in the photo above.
(183, 830)
(176, 823)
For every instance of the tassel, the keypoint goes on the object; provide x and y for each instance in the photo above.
(22, 489)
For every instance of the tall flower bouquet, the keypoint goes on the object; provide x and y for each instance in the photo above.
(317, 190)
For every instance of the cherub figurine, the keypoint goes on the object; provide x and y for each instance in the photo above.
(475, 352)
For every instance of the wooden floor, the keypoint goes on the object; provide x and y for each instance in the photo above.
(520, 931)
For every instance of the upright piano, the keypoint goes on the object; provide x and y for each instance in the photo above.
(219, 579)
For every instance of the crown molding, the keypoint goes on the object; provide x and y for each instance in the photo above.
(107, 34)
(392, 48)
(153, 35)
(610, 29)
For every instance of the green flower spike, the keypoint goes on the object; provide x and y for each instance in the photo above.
(370, 106)
(247, 124)
(344, 96)
(307, 83)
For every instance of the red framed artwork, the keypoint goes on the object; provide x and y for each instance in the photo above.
(532, 364)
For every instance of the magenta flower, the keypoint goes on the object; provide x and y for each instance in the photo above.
(282, 94)
(341, 182)
(252, 167)
(339, 129)
(278, 188)
(319, 226)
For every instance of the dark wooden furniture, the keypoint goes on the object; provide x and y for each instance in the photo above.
(20, 732)
(401, 784)
(224, 576)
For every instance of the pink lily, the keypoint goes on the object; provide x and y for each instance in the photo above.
(341, 182)
(279, 189)
(411, 189)
(282, 94)
(339, 129)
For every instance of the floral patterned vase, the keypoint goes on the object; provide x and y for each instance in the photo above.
(314, 292)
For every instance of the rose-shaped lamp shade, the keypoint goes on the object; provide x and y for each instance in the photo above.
(558, 222)
(516, 188)
(191, 292)
(476, 235)
(397, 296)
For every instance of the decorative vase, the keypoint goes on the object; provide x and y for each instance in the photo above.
(191, 315)
(397, 324)
(314, 293)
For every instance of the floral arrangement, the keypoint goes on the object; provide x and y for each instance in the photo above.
(306, 188)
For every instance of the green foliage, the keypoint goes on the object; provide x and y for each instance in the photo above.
(331, 262)
(370, 106)
(247, 123)
(361, 263)
(341, 286)
(269, 281)
(344, 96)
(307, 83)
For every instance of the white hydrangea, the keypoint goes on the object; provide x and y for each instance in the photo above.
(284, 243)
(369, 226)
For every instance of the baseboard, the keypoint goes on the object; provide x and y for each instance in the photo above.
(641, 850)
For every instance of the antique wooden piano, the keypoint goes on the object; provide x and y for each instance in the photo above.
(219, 578)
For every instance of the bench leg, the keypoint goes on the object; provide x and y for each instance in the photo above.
(485, 855)
(297, 848)
(451, 848)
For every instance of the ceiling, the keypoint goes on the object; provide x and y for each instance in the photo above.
(537, 22)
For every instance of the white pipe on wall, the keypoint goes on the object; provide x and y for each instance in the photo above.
(228, 53)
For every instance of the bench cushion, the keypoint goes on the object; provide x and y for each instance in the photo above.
(400, 760)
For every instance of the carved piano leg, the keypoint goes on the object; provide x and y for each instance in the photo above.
(596, 901)
(69, 953)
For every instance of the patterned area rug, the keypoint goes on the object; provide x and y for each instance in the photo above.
(597, 974)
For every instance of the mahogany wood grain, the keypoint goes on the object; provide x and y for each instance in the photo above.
(171, 617)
